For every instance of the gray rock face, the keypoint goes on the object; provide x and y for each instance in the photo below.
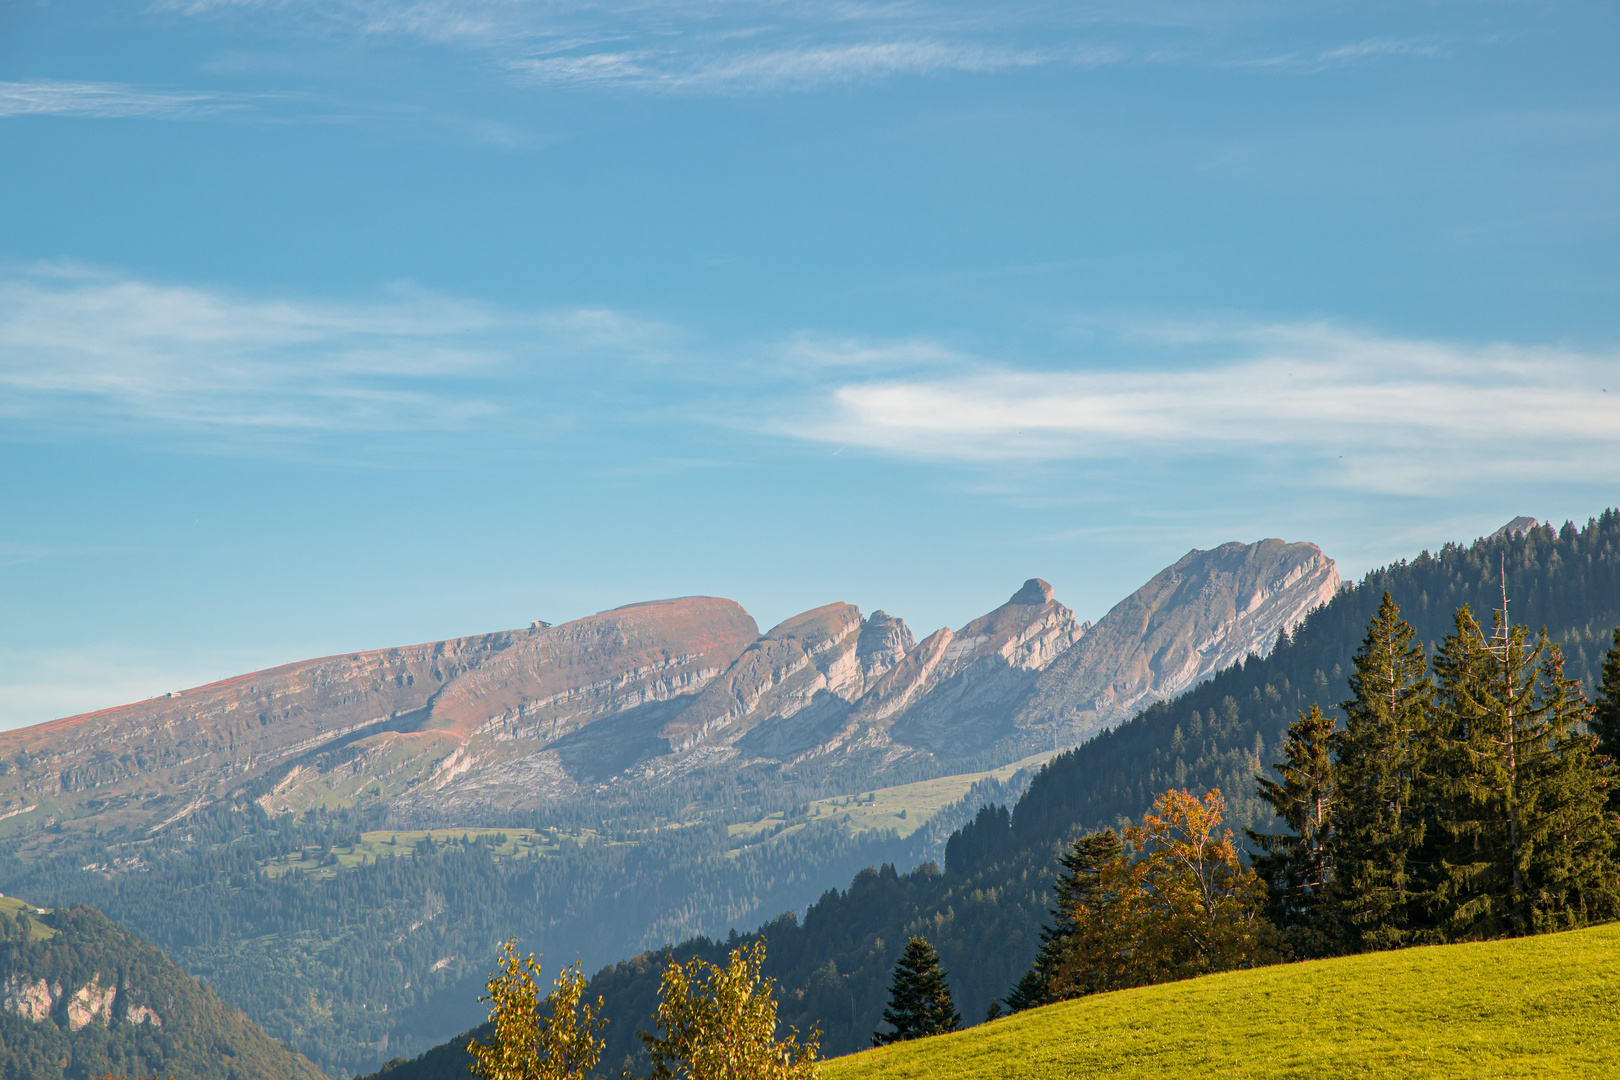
(988, 667)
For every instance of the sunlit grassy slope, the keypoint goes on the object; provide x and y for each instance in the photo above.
(24, 910)
(883, 808)
(1536, 1007)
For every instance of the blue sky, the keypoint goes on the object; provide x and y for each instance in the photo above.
(327, 326)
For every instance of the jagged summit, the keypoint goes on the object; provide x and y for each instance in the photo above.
(1034, 592)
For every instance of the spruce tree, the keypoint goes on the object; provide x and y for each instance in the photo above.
(1573, 876)
(1383, 757)
(919, 997)
(1297, 866)
(1606, 713)
(1521, 793)
(1483, 712)
(1053, 977)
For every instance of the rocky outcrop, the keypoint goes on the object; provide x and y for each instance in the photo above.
(32, 999)
(92, 1003)
(984, 672)
(1204, 613)
(775, 677)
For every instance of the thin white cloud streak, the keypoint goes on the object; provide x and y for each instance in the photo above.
(86, 348)
(23, 554)
(1321, 404)
(1347, 409)
(799, 68)
(107, 101)
(735, 46)
(1343, 55)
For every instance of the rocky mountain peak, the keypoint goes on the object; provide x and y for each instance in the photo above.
(1034, 593)
(883, 642)
(1203, 613)
(1517, 527)
(647, 693)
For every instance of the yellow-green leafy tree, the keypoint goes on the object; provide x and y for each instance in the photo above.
(552, 1039)
(719, 1023)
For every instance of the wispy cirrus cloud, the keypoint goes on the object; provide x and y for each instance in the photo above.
(109, 101)
(796, 68)
(732, 46)
(1349, 408)
(90, 349)
(1326, 404)
(1343, 55)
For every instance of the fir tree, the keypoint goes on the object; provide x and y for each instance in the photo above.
(1484, 711)
(1606, 713)
(919, 997)
(1297, 866)
(1383, 754)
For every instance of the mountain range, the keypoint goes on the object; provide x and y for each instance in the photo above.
(641, 697)
(598, 788)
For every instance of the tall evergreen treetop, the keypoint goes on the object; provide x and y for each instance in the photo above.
(1051, 978)
(919, 997)
(1383, 752)
(1297, 866)
(1520, 791)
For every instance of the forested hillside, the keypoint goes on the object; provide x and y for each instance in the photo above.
(385, 958)
(79, 997)
(984, 912)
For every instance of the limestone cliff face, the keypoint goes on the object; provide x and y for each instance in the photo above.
(556, 680)
(1204, 613)
(985, 670)
(409, 713)
(776, 676)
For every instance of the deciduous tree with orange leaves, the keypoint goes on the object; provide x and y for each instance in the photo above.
(1166, 899)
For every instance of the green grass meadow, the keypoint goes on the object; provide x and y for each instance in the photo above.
(1543, 1007)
